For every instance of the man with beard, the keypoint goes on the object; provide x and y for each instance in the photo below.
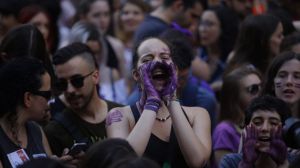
(80, 112)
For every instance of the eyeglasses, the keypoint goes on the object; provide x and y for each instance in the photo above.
(253, 89)
(76, 81)
(46, 94)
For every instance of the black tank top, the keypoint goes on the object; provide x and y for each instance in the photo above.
(34, 148)
(164, 153)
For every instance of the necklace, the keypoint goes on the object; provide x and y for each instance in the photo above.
(163, 119)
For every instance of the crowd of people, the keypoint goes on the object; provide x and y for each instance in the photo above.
(149, 83)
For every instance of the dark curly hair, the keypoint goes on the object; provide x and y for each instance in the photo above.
(17, 77)
(268, 103)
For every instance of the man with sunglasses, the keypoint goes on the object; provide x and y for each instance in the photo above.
(80, 112)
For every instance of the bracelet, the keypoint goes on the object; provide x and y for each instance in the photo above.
(152, 104)
(151, 107)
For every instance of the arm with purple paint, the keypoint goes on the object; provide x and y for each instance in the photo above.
(119, 121)
(195, 125)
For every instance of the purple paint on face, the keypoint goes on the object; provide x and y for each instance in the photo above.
(166, 50)
(114, 116)
(278, 84)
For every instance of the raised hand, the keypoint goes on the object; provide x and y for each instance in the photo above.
(278, 149)
(169, 92)
(152, 97)
(250, 153)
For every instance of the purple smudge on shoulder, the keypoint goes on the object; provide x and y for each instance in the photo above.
(114, 116)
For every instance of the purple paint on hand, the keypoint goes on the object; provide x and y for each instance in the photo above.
(278, 149)
(152, 104)
(250, 153)
(170, 90)
(114, 116)
(145, 72)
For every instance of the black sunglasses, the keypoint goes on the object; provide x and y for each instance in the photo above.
(46, 94)
(253, 89)
(76, 81)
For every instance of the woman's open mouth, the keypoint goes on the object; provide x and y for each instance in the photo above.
(160, 72)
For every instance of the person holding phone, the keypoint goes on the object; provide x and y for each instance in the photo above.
(80, 112)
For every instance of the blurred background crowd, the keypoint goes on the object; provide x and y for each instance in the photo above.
(228, 52)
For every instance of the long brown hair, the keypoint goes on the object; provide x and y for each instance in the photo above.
(230, 100)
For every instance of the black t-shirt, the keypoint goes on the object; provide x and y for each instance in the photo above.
(60, 137)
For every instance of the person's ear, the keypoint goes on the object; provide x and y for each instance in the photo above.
(135, 75)
(27, 99)
(96, 77)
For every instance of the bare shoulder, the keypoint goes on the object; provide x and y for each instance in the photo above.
(198, 113)
(120, 114)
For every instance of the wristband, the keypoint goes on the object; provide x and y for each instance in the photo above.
(152, 104)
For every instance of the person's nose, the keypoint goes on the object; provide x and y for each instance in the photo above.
(157, 58)
(265, 127)
(70, 88)
(201, 29)
(130, 16)
(289, 80)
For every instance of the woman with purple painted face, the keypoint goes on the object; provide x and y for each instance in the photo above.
(157, 126)
(283, 80)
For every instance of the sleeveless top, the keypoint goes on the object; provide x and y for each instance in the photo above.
(34, 149)
(166, 154)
